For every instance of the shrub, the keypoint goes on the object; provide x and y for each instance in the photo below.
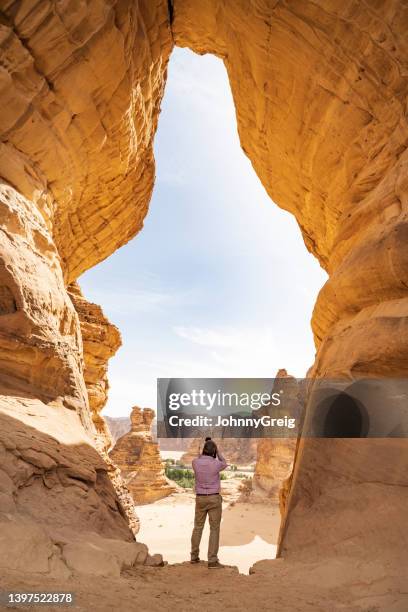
(182, 476)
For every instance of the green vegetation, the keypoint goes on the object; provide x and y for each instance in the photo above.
(184, 477)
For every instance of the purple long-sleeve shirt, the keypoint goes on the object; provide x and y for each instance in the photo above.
(207, 473)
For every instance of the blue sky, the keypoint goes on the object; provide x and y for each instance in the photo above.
(219, 282)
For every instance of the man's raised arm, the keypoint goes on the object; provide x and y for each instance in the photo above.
(223, 463)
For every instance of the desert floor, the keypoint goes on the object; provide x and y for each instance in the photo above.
(276, 586)
(248, 531)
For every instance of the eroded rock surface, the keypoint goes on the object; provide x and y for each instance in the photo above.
(80, 92)
(138, 457)
(275, 456)
(100, 341)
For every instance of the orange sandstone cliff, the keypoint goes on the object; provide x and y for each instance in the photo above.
(138, 458)
(275, 456)
(80, 91)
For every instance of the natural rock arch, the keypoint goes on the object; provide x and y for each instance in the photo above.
(320, 90)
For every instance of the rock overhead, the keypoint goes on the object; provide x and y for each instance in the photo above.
(138, 457)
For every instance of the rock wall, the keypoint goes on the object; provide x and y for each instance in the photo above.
(80, 92)
(320, 92)
(275, 456)
(173, 444)
(100, 341)
(274, 464)
(138, 457)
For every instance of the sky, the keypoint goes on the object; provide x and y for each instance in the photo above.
(219, 282)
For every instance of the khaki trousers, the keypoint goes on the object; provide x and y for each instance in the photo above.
(211, 505)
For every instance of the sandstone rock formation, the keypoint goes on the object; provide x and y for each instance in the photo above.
(138, 457)
(80, 90)
(275, 456)
(118, 426)
(100, 341)
(320, 90)
(274, 464)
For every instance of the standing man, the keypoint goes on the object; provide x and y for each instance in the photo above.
(207, 468)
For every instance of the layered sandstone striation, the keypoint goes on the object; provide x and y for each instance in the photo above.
(80, 92)
(100, 341)
(138, 457)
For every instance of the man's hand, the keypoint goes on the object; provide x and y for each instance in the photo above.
(221, 460)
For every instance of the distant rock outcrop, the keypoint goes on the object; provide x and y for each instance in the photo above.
(239, 451)
(174, 444)
(138, 457)
(118, 426)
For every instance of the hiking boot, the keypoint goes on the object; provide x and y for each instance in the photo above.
(215, 565)
(195, 560)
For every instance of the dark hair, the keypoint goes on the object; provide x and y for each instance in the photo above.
(210, 448)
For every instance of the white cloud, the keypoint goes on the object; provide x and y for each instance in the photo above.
(221, 338)
(244, 351)
(139, 300)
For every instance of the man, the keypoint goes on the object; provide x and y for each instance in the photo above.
(207, 468)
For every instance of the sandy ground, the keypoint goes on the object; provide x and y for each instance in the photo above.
(248, 531)
(279, 586)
